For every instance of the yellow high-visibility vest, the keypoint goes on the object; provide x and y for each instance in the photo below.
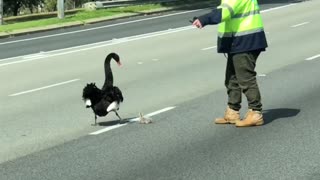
(241, 28)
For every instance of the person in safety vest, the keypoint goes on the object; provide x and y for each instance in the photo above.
(241, 36)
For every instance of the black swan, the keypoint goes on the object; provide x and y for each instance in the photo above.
(102, 101)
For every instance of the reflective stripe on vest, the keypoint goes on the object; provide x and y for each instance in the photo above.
(240, 17)
(246, 14)
(243, 33)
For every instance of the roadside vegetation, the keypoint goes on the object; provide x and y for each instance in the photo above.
(82, 16)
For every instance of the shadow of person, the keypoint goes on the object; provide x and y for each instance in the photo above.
(270, 115)
(114, 122)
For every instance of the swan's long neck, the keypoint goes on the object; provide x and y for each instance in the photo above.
(108, 82)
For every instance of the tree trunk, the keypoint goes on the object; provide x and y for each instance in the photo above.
(16, 8)
(31, 8)
(1, 12)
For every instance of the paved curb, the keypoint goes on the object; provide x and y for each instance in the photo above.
(93, 21)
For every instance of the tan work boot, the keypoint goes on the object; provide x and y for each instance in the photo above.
(252, 118)
(230, 117)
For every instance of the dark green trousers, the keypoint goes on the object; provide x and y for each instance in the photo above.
(241, 78)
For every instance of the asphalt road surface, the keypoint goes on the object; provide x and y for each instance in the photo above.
(105, 31)
(177, 76)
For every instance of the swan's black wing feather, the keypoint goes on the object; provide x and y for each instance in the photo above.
(117, 94)
(113, 94)
(100, 108)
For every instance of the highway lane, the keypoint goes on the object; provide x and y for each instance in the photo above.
(76, 36)
(182, 144)
(43, 119)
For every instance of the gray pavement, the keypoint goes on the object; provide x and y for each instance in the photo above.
(91, 33)
(44, 134)
(183, 144)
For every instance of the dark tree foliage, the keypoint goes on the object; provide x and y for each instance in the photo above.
(12, 7)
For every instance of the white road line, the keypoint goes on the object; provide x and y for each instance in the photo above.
(45, 87)
(140, 63)
(21, 61)
(262, 75)
(100, 44)
(108, 129)
(129, 22)
(132, 120)
(208, 48)
(313, 57)
(101, 27)
(301, 24)
(155, 113)
(33, 56)
(41, 53)
(276, 8)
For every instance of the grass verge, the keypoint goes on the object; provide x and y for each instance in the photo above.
(80, 16)
(46, 21)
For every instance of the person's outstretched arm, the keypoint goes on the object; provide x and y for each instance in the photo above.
(216, 16)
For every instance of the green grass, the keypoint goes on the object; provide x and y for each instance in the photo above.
(80, 16)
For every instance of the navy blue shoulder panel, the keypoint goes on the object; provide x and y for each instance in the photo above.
(214, 17)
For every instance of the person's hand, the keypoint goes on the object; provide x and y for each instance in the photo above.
(197, 23)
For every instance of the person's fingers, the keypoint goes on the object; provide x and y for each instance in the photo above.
(197, 23)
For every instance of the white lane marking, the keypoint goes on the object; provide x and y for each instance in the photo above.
(101, 27)
(93, 44)
(313, 57)
(262, 75)
(41, 53)
(108, 129)
(140, 62)
(129, 22)
(276, 8)
(33, 56)
(25, 60)
(208, 48)
(301, 24)
(132, 120)
(155, 113)
(99, 45)
(45, 87)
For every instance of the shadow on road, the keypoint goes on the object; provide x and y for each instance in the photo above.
(273, 114)
(114, 122)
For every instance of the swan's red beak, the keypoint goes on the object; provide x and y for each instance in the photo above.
(119, 64)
